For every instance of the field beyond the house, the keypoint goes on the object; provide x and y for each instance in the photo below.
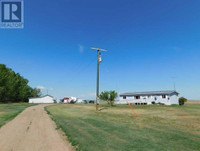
(9, 111)
(158, 127)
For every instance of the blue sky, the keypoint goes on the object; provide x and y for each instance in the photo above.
(148, 42)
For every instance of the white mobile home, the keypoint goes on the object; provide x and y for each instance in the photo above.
(165, 97)
(43, 99)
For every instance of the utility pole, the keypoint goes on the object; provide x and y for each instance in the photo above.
(98, 60)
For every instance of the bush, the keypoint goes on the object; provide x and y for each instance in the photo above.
(182, 101)
(109, 96)
(153, 102)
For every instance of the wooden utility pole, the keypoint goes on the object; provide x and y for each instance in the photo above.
(98, 60)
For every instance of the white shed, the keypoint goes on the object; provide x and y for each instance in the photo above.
(43, 99)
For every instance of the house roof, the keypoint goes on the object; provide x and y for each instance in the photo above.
(149, 93)
(42, 96)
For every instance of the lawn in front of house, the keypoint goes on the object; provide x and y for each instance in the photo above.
(158, 127)
(11, 110)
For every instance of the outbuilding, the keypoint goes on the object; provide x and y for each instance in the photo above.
(138, 98)
(42, 99)
(79, 101)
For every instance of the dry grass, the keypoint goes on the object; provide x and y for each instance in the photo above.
(192, 102)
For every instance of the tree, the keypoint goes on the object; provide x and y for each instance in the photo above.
(35, 92)
(104, 96)
(108, 96)
(14, 87)
(182, 100)
(112, 97)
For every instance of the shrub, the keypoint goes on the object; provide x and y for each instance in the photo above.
(182, 100)
(161, 103)
(109, 96)
(153, 102)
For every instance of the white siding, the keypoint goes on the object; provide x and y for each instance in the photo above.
(46, 99)
(170, 99)
(174, 98)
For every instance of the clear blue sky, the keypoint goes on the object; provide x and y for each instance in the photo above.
(148, 42)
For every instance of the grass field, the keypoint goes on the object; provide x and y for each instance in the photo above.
(9, 111)
(117, 129)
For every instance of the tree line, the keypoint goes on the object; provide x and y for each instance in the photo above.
(14, 87)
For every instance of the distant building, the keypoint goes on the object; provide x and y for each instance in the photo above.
(42, 99)
(165, 97)
(69, 100)
(65, 100)
(79, 101)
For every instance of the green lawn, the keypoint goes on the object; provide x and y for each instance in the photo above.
(117, 129)
(9, 111)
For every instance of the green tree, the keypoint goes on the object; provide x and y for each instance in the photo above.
(3, 82)
(108, 96)
(14, 87)
(112, 97)
(35, 92)
(104, 96)
(182, 100)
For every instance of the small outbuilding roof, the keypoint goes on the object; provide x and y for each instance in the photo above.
(42, 96)
(149, 93)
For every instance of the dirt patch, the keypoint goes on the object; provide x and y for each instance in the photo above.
(32, 130)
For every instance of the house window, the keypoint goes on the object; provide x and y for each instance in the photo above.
(124, 97)
(163, 96)
(137, 97)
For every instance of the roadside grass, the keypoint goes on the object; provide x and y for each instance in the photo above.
(10, 111)
(158, 127)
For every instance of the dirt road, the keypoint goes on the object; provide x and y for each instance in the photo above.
(32, 130)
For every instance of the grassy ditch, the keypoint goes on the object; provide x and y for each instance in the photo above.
(117, 128)
(10, 111)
